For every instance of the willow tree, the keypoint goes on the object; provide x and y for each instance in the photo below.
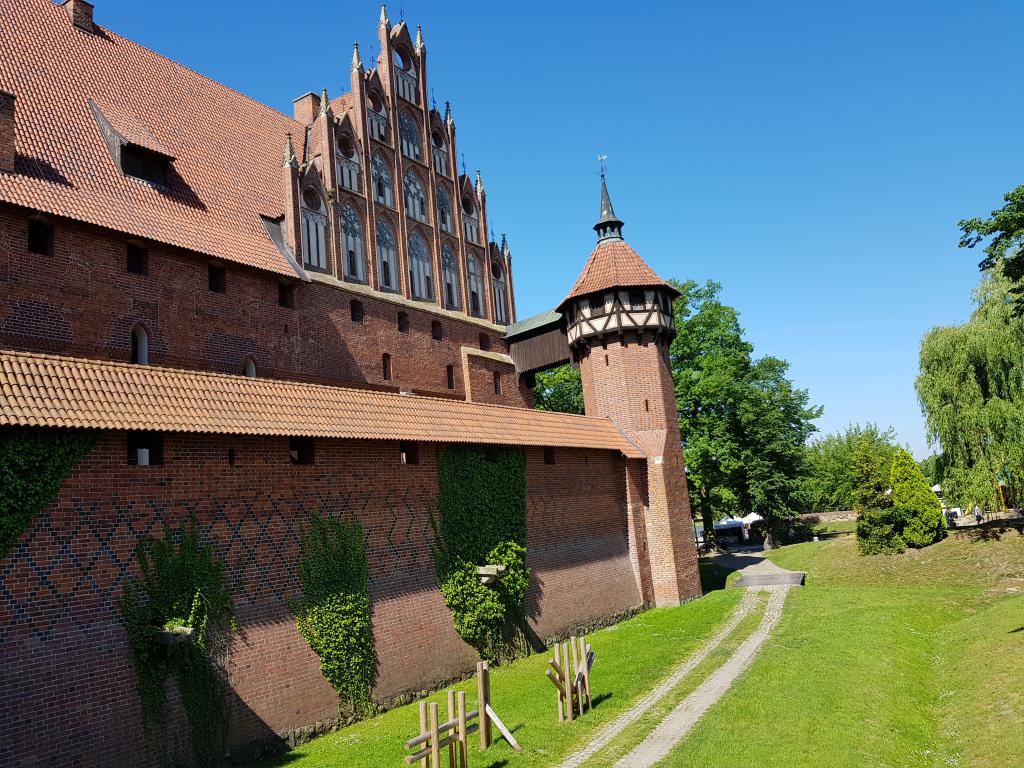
(971, 389)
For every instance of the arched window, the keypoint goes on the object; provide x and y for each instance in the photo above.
(348, 163)
(140, 345)
(381, 179)
(377, 117)
(405, 77)
(440, 153)
(470, 224)
(352, 244)
(475, 270)
(500, 296)
(421, 273)
(249, 367)
(451, 276)
(444, 210)
(409, 133)
(415, 197)
(314, 230)
(387, 256)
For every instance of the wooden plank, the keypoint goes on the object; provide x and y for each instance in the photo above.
(554, 681)
(424, 754)
(493, 717)
(441, 728)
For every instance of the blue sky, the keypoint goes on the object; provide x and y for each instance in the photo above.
(813, 157)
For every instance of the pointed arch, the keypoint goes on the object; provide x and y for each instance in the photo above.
(445, 217)
(352, 248)
(475, 275)
(387, 256)
(421, 269)
(382, 188)
(415, 196)
(409, 134)
(314, 228)
(450, 267)
(499, 293)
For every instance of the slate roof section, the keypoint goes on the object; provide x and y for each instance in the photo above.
(614, 264)
(47, 390)
(228, 147)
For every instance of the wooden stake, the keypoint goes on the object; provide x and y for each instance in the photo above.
(435, 746)
(584, 648)
(568, 682)
(463, 741)
(425, 763)
(482, 694)
(452, 748)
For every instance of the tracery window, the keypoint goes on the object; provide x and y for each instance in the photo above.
(387, 256)
(444, 210)
(421, 278)
(415, 197)
(352, 244)
(314, 230)
(475, 271)
(451, 276)
(409, 133)
(381, 179)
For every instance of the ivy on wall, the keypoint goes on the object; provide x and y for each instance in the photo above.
(481, 520)
(334, 613)
(181, 587)
(33, 465)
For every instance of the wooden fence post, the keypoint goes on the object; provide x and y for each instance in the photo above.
(425, 762)
(567, 671)
(482, 695)
(435, 748)
(463, 741)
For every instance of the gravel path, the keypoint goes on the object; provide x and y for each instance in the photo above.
(680, 721)
(602, 739)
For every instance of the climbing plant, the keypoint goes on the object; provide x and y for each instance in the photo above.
(33, 465)
(181, 594)
(334, 613)
(481, 520)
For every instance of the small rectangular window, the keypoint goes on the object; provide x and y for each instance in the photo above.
(597, 305)
(301, 450)
(385, 364)
(40, 237)
(137, 259)
(497, 383)
(451, 376)
(637, 300)
(218, 278)
(549, 455)
(286, 295)
(143, 164)
(145, 448)
(409, 452)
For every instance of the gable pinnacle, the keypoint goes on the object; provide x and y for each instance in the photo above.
(609, 226)
(384, 20)
(325, 104)
(357, 62)
(448, 119)
(420, 45)
(290, 161)
(479, 184)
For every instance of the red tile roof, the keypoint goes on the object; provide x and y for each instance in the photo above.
(46, 390)
(228, 148)
(614, 264)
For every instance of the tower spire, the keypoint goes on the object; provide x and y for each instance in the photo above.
(357, 62)
(609, 226)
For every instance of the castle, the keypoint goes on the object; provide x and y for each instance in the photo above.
(260, 317)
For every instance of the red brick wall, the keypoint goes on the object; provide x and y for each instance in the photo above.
(67, 672)
(82, 302)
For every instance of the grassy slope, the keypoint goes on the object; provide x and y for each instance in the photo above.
(908, 660)
(631, 658)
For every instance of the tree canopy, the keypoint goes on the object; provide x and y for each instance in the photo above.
(559, 390)
(971, 389)
(849, 469)
(1005, 250)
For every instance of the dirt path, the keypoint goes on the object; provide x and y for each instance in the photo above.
(680, 721)
(602, 739)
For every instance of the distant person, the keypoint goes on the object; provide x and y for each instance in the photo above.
(977, 514)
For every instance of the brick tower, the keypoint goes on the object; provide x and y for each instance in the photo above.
(620, 324)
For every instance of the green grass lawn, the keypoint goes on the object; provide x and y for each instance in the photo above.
(907, 660)
(632, 657)
(834, 527)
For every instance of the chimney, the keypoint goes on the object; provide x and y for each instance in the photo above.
(6, 132)
(307, 107)
(80, 13)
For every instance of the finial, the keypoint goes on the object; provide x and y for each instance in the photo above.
(384, 20)
(480, 189)
(463, 163)
(357, 62)
(420, 46)
(325, 104)
(448, 113)
(504, 244)
(492, 237)
(601, 159)
(289, 154)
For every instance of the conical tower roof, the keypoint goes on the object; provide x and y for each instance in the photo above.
(613, 263)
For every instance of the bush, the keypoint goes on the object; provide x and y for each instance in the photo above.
(880, 531)
(913, 498)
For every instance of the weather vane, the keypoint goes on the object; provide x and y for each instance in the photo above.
(601, 159)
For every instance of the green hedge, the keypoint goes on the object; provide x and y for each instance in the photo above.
(33, 465)
(334, 613)
(482, 521)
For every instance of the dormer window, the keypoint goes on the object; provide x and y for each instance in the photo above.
(444, 210)
(470, 225)
(440, 153)
(348, 163)
(381, 180)
(144, 164)
(409, 133)
(377, 117)
(314, 230)
(415, 197)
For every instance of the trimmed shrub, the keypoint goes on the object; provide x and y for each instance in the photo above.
(913, 498)
(879, 531)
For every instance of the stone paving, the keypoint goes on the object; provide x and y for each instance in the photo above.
(757, 573)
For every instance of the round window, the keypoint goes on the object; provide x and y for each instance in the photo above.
(311, 199)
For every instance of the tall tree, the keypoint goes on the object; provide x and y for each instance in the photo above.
(849, 469)
(559, 390)
(971, 389)
(1005, 227)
